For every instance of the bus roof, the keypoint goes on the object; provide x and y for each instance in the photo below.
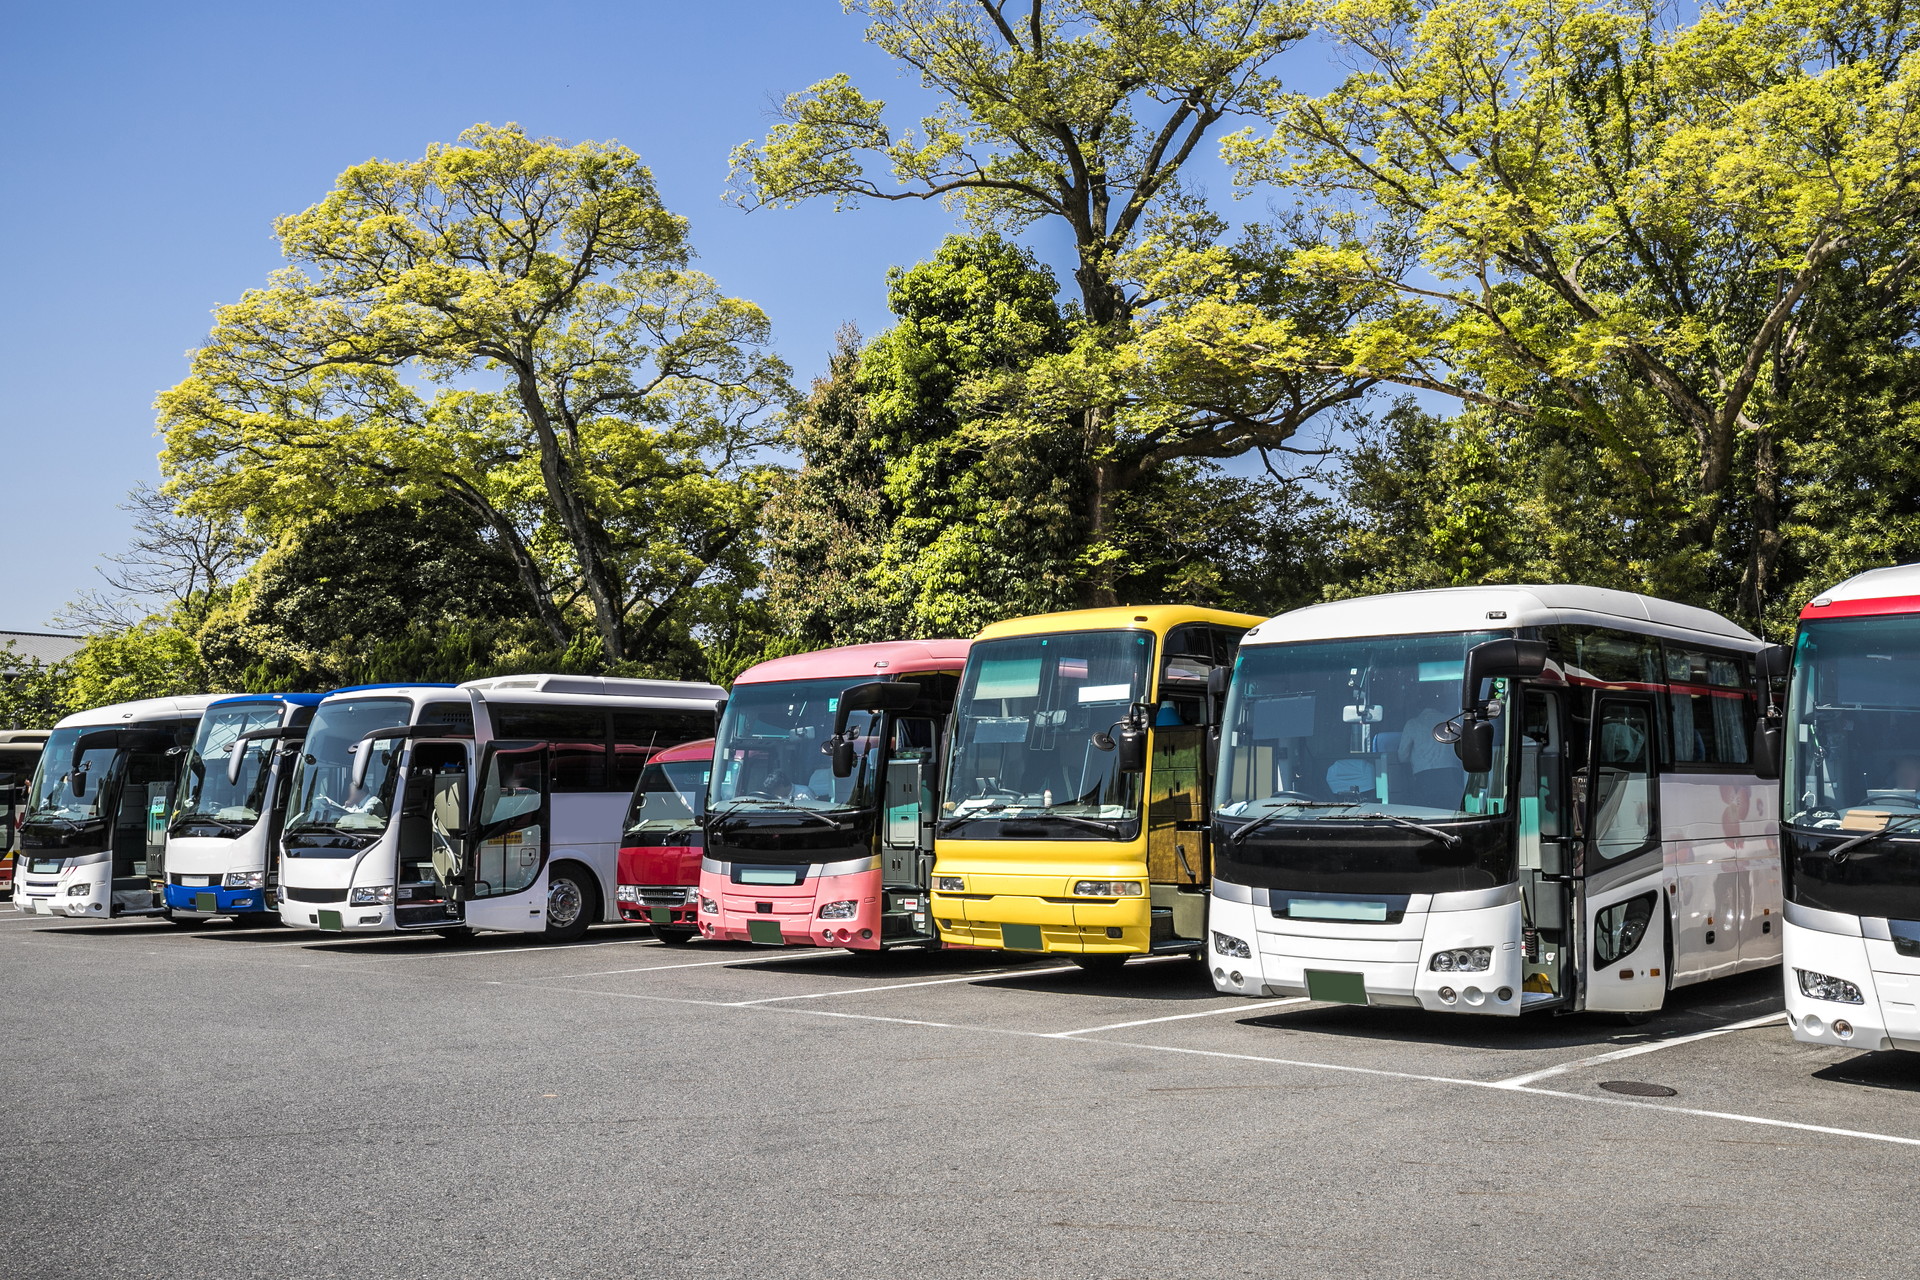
(1450, 609)
(601, 687)
(1152, 617)
(885, 658)
(1877, 592)
(701, 749)
(189, 707)
(296, 699)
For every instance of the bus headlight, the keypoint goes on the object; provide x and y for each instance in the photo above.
(627, 892)
(245, 880)
(950, 884)
(708, 907)
(839, 910)
(1462, 960)
(1819, 986)
(1106, 888)
(1227, 945)
(78, 890)
(371, 896)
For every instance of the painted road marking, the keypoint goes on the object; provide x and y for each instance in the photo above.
(1527, 1078)
(901, 986)
(1181, 1017)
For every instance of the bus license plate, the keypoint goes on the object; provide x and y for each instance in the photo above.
(660, 915)
(765, 932)
(330, 920)
(1336, 988)
(205, 902)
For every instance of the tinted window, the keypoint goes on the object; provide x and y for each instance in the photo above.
(1710, 706)
(1611, 657)
(548, 724)
(638, 734)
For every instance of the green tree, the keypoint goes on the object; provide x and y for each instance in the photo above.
(33, 694)
(1186, 343)
(510, 323)
(1622, 223)
(154, 658)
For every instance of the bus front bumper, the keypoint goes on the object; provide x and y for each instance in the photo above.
(790, 915)
(189, 900)
(1882, 1010)
(337, 917)
(1039, 913)
(1251, 953)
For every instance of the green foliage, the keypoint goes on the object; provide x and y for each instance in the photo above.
(33, 694)
(511, 324)
(154, 658)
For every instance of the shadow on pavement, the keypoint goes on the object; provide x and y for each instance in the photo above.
(1885, 1069)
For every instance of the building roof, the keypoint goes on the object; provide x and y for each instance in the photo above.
(1450, 609)
(852, 661)
(44, 646)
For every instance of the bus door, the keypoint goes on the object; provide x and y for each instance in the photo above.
(1546, 889)
(1177, 868)
(430, 844)
(504, 880)
(906, 835)
(1621, 855)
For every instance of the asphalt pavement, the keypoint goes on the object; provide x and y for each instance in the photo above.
(227, 1102)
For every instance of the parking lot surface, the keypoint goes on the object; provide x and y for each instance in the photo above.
(258, 1102)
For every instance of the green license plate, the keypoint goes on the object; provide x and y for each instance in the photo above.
(660, 915)
(1021, 937)
(1336, 988)
(766, 933)
(331, 920)
(206, 902)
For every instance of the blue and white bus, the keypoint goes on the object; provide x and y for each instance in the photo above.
(221, 852)
(1493, 799)
(496, 804)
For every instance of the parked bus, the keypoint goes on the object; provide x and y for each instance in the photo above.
(95, 829)
(223, 839)
(820, 812)
(1075, 808)
(1493, 799)
(1851, 815)
(19, 753)
(494, 804)
(660, 850)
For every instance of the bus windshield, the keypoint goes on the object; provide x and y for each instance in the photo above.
(773, 749)
(206, 797)
(1025, 731)
(668, 803)
(52, 797)
(1853, 739)
(1337, 730)
(324, 799)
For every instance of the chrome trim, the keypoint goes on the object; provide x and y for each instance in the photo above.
(1229, 892)
(1475, 899)
(1875, 927)
(1824, 921)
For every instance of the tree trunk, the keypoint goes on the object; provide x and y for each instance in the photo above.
(523, 562)
(1096, 587)
(1766, 529)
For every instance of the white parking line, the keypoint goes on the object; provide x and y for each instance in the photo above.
(901, 986)
(1181, 1017)
(1527, 1078)
(506, 950)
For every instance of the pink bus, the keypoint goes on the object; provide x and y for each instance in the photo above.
(659, 871)
(824, 793)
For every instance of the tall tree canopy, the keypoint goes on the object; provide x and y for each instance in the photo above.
(510, 323)
(1188, 342)
(1623, 226)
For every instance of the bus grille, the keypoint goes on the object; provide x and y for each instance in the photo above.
(297, 893)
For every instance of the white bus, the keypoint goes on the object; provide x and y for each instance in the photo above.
(495, 804)
(92, 837)
(1850, 826)
(221, 842)
(1492, 799)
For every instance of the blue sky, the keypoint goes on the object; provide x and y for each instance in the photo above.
(152, 146)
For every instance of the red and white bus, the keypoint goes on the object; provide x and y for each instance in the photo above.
(659, 870)
(824, 793)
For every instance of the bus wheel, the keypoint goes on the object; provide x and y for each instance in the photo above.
(571, 904)
(673, 934)
(1103, 964)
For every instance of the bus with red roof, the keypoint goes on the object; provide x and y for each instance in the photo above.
(659, 869)
(820, 810)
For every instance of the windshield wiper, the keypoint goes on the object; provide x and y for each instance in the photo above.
(1840, 851)
(1242, 832)
(229, 824)
(1447, 838)
(718, 818)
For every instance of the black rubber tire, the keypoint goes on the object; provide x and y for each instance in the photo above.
(588, 896)
(1101, 964)
(674, 935)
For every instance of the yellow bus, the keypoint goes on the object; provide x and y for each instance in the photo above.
(1078, 779)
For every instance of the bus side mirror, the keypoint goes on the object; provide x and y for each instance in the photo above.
(362, 758)
(235, 755)
(1475, 746)
(1773, 662)
(1493, 659)
(842, 758)
(1765, 753)
(77, 782)
(874, 695)
(1130, 747)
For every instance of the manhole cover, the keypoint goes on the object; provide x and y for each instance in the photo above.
(1637, 1088)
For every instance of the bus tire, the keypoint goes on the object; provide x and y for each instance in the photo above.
(1101, 964)
(573, 903)
(674, 935)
